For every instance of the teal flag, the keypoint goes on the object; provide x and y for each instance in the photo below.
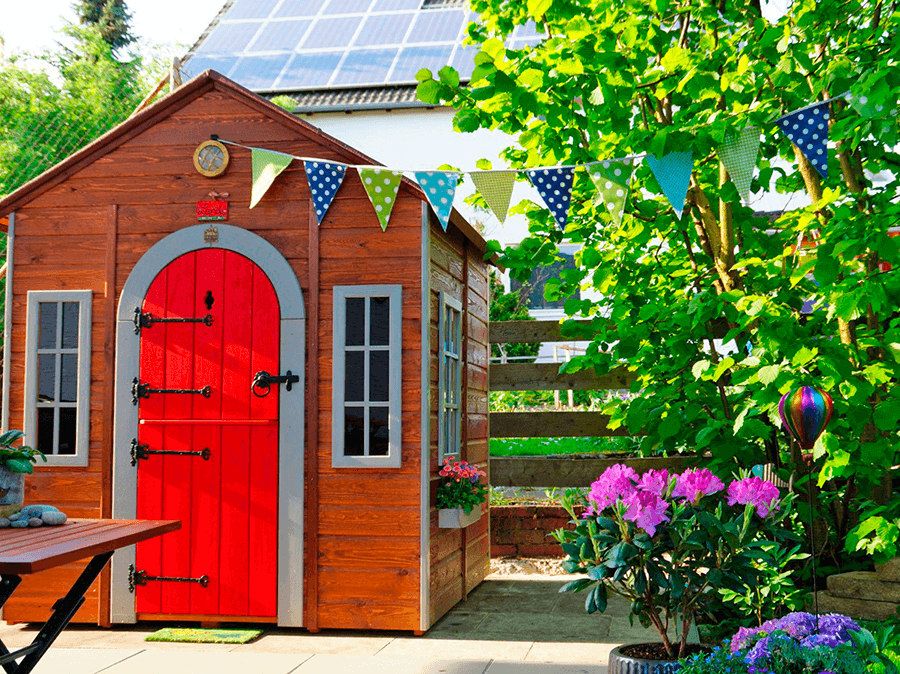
(673, 173)
(439, 188)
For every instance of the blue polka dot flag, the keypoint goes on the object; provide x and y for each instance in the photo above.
(673, 173)
(324, 180)
(808, 130)
(439, 188)
(555, 187)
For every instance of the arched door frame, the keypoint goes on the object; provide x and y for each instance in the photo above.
(291, 408)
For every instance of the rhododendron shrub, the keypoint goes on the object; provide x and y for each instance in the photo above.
(667, 541)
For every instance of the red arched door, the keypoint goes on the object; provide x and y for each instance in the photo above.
(226, 497)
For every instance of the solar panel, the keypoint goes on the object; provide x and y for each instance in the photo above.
(365, 66)
(438, 26)
(230, 38)
(281, 35)
(384, 29)
(289, 45)
(413, 59)
(393, 5)
(308, 70)
(332, 32)
(347, 6)
(298, 8)
(258, 72)
(254, 9)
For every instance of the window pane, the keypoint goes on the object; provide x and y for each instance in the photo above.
(67, 418)
(379, 376)
(378, 431)
(47, 336)
(354, 425)
(380, 321)
(70, 325)
(354, 376)
(46, 377)
(454, 332)
(356, 321)
(45, 430)
(68, 378)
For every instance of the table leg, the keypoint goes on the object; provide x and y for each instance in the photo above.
(63, 612)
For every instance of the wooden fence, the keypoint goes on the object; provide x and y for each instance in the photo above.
(549, 471)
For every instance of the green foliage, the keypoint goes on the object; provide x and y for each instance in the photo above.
(612, 78)
(550, 446)
(506, 306)
(110, 17)
(18, 459)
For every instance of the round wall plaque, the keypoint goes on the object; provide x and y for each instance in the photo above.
(211, 158)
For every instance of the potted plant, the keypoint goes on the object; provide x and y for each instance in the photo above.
(15, 462)
(665, 542)
(459, 493)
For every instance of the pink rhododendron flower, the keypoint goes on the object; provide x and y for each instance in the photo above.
(616, 482)
(696, 482)
(647, 510)
(656, 481)
(763, 495)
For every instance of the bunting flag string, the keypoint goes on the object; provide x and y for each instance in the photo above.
(439, 188)
(324, 180)
(738, 154)
(496, 187)
(265, 165)
(612, 179)
(806, 127)
(381, 185)
(808, 130)
(555, 187)
(673, 173)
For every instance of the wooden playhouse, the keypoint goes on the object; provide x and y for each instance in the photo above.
(135, 336)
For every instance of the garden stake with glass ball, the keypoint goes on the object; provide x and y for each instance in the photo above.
(805, 412)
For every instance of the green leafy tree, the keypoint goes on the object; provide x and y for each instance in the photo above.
(613, 78)
(510, 306)
(111, 18)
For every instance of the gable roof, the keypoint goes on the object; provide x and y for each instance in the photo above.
(178, 99)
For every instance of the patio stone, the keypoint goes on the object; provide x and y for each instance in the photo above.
(863, 585)
(859, 609)
(155, 661)
(332, 664)
(82, 660)
(502, 667)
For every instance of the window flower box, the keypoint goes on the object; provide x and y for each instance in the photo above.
(456, 518)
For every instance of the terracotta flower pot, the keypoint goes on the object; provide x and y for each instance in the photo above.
(624, 664)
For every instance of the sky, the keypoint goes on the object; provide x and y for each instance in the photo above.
(32, 25)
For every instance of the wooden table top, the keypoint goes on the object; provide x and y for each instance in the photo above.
(39, 548)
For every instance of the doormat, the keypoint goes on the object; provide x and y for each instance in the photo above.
(204, 636)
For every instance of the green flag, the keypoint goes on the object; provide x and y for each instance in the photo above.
(266, 167)
(381, 186)
(612, 179)
(738, 154)
(496, 187)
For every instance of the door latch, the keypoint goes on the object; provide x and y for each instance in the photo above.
(262, 382)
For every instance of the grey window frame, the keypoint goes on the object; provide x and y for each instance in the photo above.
(83, 402)
(341, 294)
(449, 411)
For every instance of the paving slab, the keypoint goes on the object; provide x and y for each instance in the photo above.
(335, 664)
(597, 654)
(82, 660)
(301, 642)
(507, 667)
(177, 662)
(464, 649)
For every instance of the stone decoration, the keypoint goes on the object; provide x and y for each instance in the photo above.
(34, 516)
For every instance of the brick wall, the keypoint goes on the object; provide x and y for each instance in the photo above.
(524, 531)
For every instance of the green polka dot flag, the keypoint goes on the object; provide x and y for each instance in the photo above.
(738, 154)
(612, 179)
(381, 185)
